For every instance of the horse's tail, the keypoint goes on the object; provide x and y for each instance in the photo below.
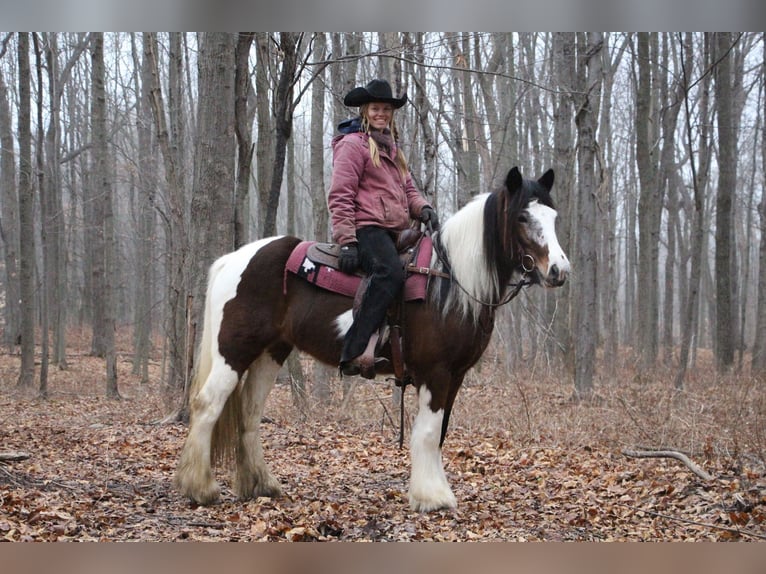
(226, 431)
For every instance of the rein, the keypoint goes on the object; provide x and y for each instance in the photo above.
(526, 267)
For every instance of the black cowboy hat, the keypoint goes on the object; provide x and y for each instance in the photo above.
(375, 91)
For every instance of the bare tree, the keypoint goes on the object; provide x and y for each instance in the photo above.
(9, 211)
(316, 161)
(104, 324)
(144, 202)
(26, 217)
(759, 347)
(587, 100)
(727, 182)
(244, 118)
(174, 214)
(699, 179)
(289, 45)
(649, 203)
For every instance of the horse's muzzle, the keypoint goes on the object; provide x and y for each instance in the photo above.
(557, 276)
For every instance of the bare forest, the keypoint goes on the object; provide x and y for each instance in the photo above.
(130, 161)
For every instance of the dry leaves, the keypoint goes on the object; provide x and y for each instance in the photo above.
(100, 470)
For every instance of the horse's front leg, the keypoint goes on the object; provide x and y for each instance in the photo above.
(429, 489)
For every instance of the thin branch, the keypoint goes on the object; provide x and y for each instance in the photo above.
(670, 454)
(693, 522)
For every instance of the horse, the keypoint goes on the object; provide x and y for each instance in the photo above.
(255, 314)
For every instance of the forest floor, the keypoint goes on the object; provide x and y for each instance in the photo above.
(525, 463)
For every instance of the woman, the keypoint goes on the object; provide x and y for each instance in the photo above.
(371, 198)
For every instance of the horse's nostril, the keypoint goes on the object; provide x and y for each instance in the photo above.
(554, 272)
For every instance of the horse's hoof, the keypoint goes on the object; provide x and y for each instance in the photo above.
(432, 504)
(207, 497)
(268, 490)
(350, 368)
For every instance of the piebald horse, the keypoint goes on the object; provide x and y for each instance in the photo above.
(255, 314)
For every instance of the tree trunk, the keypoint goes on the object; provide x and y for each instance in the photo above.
(27, 219)
(649, 205)
(564, 50)
(727, 181)
(759, 346)
(590, 77)
(145, 200)
(212, 204)
(283, 124)
(699, 178)
(316, 145)
(243, 129)
(266, 134)
(176, 238)
(671, 97)
(9, 221)
(45, 277)
(104, 323)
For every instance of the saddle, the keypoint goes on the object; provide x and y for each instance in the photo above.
(406, 242)
(318, 264)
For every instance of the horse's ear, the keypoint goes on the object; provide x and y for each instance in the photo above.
(546, 180)
(514, 180)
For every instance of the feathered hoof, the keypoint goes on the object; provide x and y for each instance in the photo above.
(200, 487)
(272, 489)
(431, 503)
(253, 487)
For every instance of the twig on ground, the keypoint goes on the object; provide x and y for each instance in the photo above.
(694, 522)
(13, 456)
(669, 454)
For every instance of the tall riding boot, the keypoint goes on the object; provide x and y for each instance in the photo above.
(386, 279)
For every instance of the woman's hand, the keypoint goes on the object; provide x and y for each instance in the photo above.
(427, 215)
(348, 260)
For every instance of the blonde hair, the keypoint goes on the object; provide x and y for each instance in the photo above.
(399, 160)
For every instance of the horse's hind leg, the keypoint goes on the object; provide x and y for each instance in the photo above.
(194, 474)
(253, 477)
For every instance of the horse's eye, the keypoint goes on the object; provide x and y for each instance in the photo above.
(522, 218)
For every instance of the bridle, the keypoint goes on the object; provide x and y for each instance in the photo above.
(527, 266)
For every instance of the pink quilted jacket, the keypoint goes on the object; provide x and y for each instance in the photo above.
(362, 195)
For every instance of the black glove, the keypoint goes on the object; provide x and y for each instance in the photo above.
(427, 215)
(348, 260)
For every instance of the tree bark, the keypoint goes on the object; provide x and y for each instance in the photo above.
(699, 178)
(283, 125)
(564, 56)
(104, 324)
(316, 144)
(727, 181)
(590, 77)
(145, 200)
(27, 218)
(649, 205)
(759, 347)
(176, 238)
(243, 129)
(212, 204)
(45, 277)
(9, 220)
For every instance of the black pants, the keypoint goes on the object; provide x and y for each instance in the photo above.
(380, 261)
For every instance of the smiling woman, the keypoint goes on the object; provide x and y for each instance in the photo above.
(372, 198)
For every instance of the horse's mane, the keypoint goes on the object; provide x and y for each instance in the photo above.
(479, 242)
